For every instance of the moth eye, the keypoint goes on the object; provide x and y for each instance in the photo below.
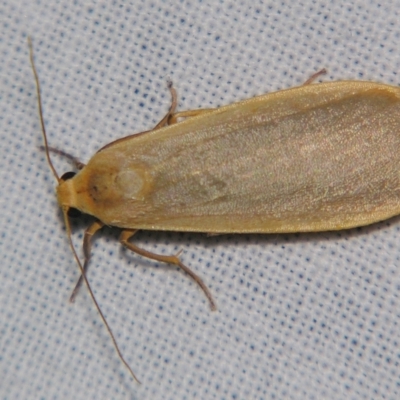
(73, 212)
(68, 175)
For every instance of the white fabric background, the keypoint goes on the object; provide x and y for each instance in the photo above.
(306, 316)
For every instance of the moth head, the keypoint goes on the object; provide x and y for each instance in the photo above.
(72, 212)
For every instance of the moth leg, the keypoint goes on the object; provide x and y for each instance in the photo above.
(162, 123)
(173, 118)
(172, 107)
(124, 239)
(75, 161)
(313, 77)
(87, 245)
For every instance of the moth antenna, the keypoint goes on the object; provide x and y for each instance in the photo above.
(83, 274)
(65, 213)
(46, 145)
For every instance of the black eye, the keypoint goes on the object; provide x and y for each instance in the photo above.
(74, 213)
(68, 175)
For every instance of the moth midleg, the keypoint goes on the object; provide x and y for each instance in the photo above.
(172, 107)
(313, 77)
(87, 245)
(174, 260)
(173, 119)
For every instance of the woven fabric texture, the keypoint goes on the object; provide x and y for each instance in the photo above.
(303, 316)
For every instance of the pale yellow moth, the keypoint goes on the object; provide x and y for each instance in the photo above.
(318, 157)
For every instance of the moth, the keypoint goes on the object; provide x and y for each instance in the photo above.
(318, 157)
